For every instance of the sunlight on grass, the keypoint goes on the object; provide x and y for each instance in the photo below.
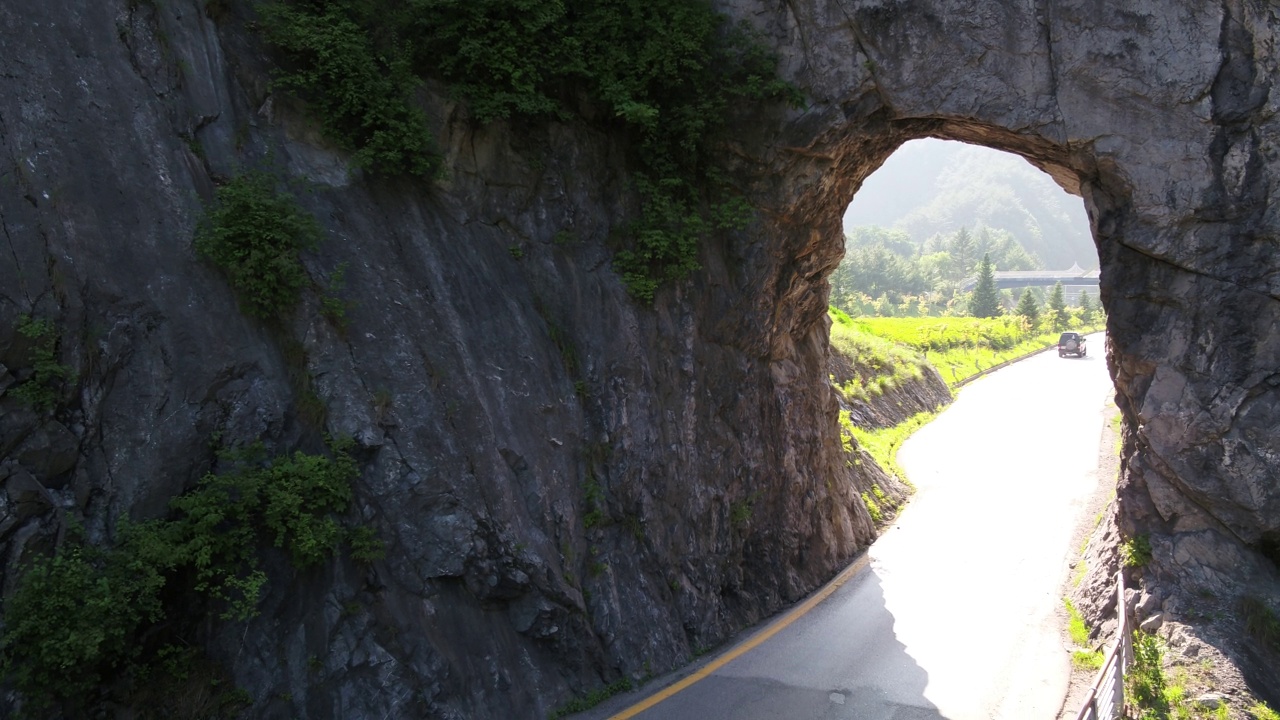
(883, 445)
(1076, 627)
(1260, 711)
(959, 347)
(1082, 657)
(878, 365)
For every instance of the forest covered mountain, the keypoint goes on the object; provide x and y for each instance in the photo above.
(935, 187)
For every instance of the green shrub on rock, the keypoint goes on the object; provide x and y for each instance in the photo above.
(662, 76)
(361, 92)
(1136, 551)
(87, 615)
(71, 624)
(40, 391)
(254, 234)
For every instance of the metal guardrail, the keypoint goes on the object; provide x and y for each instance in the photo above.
(1106, 698)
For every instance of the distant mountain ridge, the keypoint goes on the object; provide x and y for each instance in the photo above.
(931, 187)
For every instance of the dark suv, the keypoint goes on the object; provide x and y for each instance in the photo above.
(1071, 344)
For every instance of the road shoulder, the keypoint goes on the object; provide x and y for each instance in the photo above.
(1088, 521)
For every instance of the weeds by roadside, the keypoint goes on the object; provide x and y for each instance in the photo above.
(1153, 695)
(1083, 656)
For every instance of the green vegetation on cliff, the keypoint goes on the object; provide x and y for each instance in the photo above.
(41, 390)
(90, 615)
(253, 233)
(360, 90)
(883, 444)
(662, 74)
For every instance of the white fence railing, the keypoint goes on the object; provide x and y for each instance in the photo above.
(1106, 698)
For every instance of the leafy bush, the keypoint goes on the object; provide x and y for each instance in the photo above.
(254, 234)
(76, 619)
(665, 239)
(71, 624)
(290, 501)
(365, 545)
(1136, 551)
(666, 73)
(40, 391)
(505, 57)
(1145, 681)
(361, 93)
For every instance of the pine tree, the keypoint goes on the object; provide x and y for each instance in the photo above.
(1086, 308)
(986, 300)
(1057, 305)
(1028, 307)
(962, 251)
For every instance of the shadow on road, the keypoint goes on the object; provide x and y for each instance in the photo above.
(841, 661)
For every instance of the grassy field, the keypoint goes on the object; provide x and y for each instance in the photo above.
(962, 347)
(875, 364)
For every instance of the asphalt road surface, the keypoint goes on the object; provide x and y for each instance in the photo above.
(956, 611)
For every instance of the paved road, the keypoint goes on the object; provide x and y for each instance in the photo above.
(955, 611)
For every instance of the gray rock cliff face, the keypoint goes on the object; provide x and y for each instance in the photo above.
(493, 373)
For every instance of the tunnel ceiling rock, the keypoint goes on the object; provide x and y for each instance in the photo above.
(574, 487)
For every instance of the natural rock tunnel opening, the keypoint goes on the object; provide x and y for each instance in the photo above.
(1175, 198)
(921, 223)
(555, 524)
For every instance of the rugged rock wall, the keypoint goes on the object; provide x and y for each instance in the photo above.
(1161, 115)
(500, 383)
(494, 374)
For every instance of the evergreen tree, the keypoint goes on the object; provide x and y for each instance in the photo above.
(986, 300)
(963, 252)
(1028, 307)
(1057, 305)
(1086, 308)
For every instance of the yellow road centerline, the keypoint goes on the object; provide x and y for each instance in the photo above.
(750, 644)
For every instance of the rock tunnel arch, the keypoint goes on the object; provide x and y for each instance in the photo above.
(1162, 115)
(1167, 155)
(1160, 119)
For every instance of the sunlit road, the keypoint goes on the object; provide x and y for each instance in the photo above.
(956, 614)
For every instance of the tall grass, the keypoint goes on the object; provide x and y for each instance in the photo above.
(878, 364)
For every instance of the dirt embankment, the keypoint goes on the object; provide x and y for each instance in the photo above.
(883, 404)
